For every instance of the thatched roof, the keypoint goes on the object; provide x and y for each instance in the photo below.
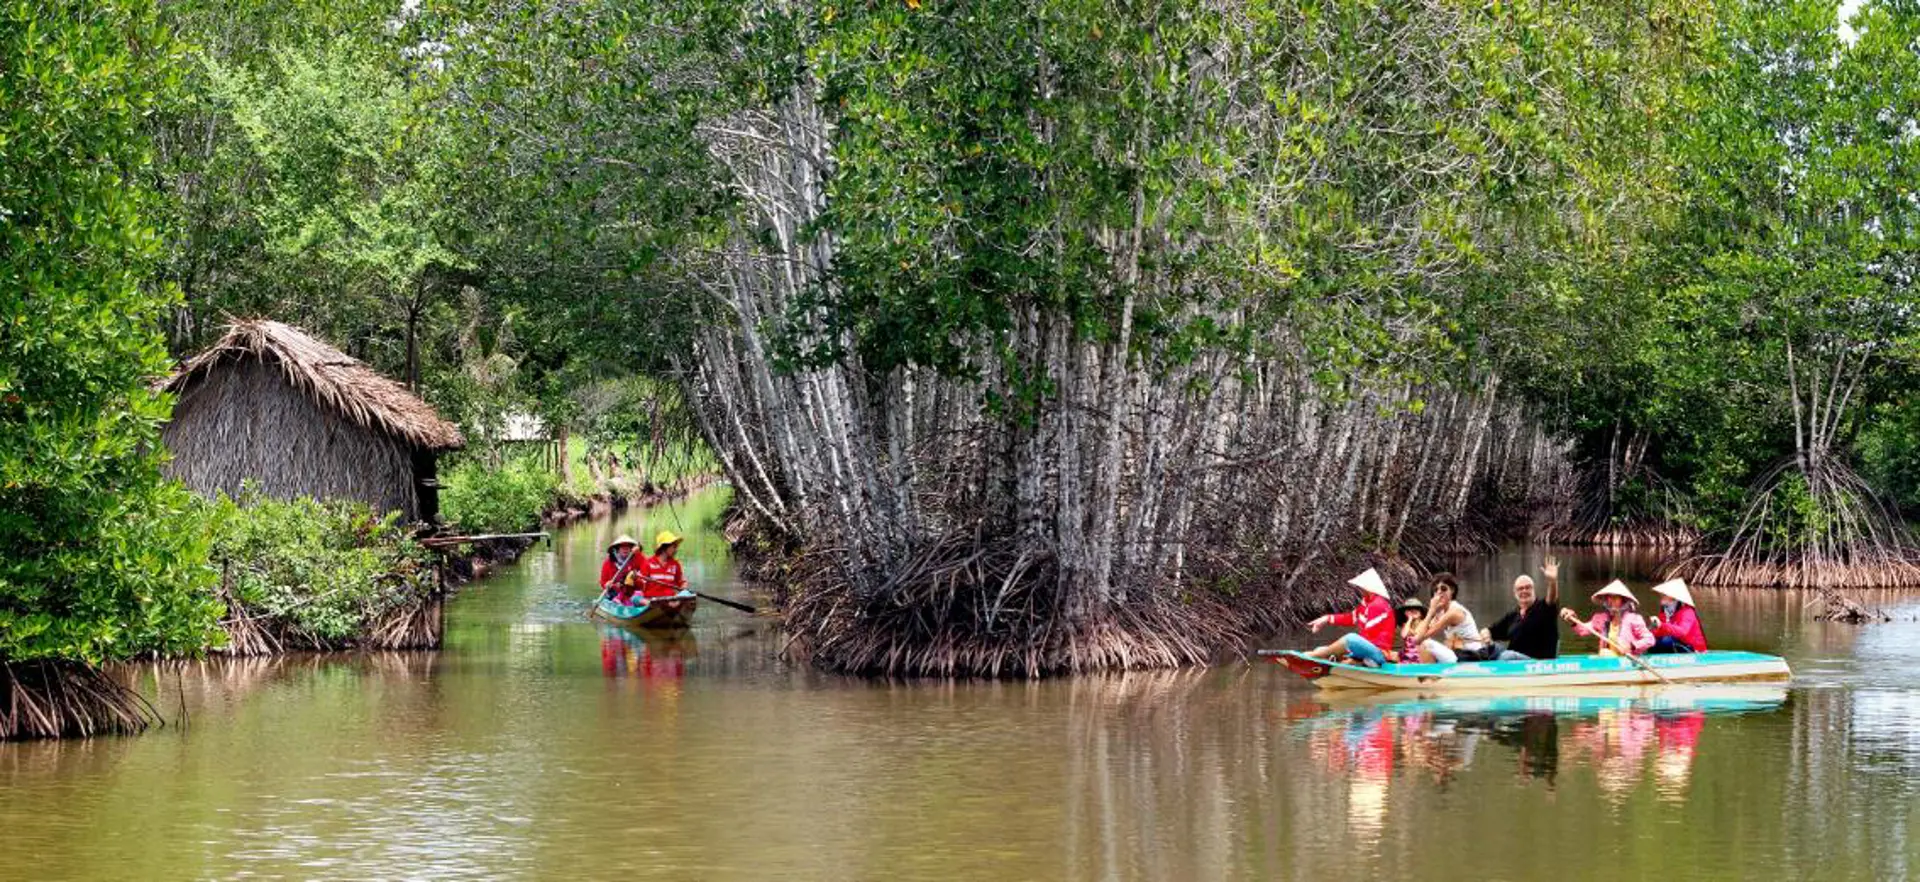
(334, 379)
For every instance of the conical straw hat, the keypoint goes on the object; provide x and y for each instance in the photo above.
(1675, 589)
(624, 539)
(1616, 588)
(1371, 583)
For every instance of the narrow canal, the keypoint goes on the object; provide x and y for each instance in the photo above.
(542, 745)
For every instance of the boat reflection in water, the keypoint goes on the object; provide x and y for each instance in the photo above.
(1622, 735)
(649, 654)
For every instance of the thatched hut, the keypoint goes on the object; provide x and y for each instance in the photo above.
(270, 404)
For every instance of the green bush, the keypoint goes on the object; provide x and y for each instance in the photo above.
(479, 499)
(97, 562)
(320, 572)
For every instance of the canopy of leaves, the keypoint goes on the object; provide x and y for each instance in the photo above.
(97, 565)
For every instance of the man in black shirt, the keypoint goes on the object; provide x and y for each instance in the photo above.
(1532, 630)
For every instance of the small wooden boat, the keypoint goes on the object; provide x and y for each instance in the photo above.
(1514, 676)
(656, 612)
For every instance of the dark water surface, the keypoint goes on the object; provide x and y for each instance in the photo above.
(542, 745)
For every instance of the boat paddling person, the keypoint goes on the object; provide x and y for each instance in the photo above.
(1677, 627)
(1618, 622)
(660, 574)
(1374, 619)
(613, 582)
(1532, 629)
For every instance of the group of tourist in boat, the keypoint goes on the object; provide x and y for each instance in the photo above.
(1441, 630)
(627, 572)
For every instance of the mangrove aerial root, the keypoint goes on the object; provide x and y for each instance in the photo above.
(1850, 539)
(58, 699)
(965, 608)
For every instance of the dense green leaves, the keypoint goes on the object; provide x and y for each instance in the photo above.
(98, 564)
(323, 573)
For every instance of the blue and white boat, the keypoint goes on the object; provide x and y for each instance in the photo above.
(1516, 676)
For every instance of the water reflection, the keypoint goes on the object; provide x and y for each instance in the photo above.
(648, 654)
(1621, 736)
(513, 754)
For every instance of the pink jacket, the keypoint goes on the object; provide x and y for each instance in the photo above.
(1684, 626)
(1633, 629)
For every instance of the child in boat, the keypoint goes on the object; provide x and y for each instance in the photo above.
(619, 557)
(1619, 622)
(1412, 615)
(1677, 627)
(1374, 619)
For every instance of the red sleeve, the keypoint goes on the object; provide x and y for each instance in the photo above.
(606, 571)
(1345, 619)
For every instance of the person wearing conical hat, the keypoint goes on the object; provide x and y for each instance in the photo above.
(1618, 622)
(660, 575)
(1374, 619)
(619, 563)
(1677, 627)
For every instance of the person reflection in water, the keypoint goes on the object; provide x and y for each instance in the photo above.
(1677, 734)
(1536, 739)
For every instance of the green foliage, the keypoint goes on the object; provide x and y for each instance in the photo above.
(1889, 450)
(323, 572)
(98, 562)
(478, 498)
(1766, 308)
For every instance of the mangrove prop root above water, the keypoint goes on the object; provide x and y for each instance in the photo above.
(54, 699)
(961, 608)
(1854, 540)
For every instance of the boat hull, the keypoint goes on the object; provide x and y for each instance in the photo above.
(659, 612)
(1513, 676)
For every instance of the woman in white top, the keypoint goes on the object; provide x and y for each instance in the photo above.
(1451, 635)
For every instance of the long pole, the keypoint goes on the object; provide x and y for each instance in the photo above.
(1617, 648)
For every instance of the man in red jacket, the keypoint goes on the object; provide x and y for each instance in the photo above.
(1374, 619)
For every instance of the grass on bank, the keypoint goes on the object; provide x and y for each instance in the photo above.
(304, 574)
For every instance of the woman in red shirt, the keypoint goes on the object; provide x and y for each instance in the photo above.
(1374, 619)
(1677, 627)
(619, 556)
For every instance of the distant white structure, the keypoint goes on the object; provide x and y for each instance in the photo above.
(523, 427)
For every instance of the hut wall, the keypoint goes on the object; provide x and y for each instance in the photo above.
(244, 420)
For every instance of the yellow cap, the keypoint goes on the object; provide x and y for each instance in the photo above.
(665, 538)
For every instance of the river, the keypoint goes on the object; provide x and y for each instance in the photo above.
(539, 744)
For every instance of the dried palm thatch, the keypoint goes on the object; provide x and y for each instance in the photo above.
(272, 405)
(58, 699)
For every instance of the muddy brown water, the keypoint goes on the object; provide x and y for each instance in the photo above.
(542, 745)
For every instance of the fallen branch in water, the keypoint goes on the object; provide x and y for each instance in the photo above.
(1841, 608)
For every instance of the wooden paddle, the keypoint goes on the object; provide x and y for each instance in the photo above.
(608, 592)
(1621, 650)
(719, 600)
